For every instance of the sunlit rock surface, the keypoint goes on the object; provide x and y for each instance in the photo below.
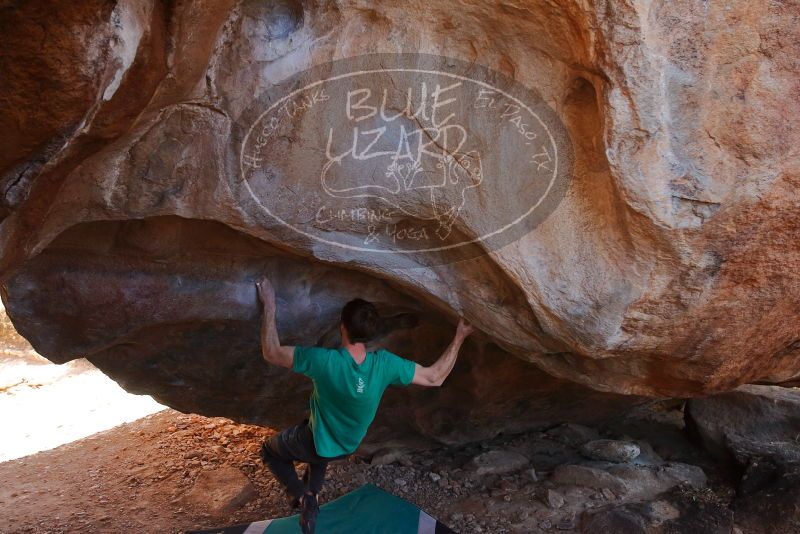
(668, 268)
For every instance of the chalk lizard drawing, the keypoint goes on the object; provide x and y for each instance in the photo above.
(407, 173)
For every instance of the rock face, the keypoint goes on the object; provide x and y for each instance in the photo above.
(668, 266)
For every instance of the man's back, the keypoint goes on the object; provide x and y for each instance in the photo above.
(347, 394)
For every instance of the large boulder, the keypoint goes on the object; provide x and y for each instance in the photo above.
(629, 480)
(676, 512)
(664, 260)
(751, 421)
(757, 427)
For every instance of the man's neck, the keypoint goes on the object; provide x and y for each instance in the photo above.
(356, 350)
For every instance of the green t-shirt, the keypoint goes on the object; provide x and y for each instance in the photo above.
(346, 394)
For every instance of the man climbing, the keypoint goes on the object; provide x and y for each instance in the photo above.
(348, 385)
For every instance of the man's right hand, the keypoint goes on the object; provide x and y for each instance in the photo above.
(435, 375)
(464, 329)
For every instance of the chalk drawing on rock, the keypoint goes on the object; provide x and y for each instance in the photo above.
(405, 154)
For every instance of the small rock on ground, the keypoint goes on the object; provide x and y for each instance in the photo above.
(497, 462)
(610, 450)
(221, 490)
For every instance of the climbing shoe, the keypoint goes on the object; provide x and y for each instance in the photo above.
(309, 510)
(293, 501)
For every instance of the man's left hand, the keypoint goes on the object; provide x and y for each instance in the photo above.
(266, 293)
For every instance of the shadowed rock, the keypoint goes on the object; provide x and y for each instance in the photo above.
(168, 307)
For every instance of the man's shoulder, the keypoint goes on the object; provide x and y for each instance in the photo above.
(316, 350)
(309, 355)
(382, 353)
(388, 356)
(395, 369)
(321, 350)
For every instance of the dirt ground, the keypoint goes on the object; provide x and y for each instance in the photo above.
(129, 478)
(133, 478)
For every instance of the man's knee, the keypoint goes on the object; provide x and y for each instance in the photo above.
(269, 451)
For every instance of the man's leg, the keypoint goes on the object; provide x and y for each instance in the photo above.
(316, 476)
(301, 445)
(278, 455)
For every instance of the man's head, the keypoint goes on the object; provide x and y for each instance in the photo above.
(360, 321)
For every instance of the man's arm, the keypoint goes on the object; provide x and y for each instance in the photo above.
(271, 348)
(436, 374)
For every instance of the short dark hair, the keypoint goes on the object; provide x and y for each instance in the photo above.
(361, 320)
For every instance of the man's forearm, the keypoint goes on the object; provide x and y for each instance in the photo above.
(271, 348)
(269, 334)
(441, 369)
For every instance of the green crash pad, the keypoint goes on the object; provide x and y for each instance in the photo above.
(367, 510)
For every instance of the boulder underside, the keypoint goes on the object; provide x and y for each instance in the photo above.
(669, 267)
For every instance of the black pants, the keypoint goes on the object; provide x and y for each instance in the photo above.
(296, 444)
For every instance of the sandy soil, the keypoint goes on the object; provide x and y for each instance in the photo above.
(45, 405)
